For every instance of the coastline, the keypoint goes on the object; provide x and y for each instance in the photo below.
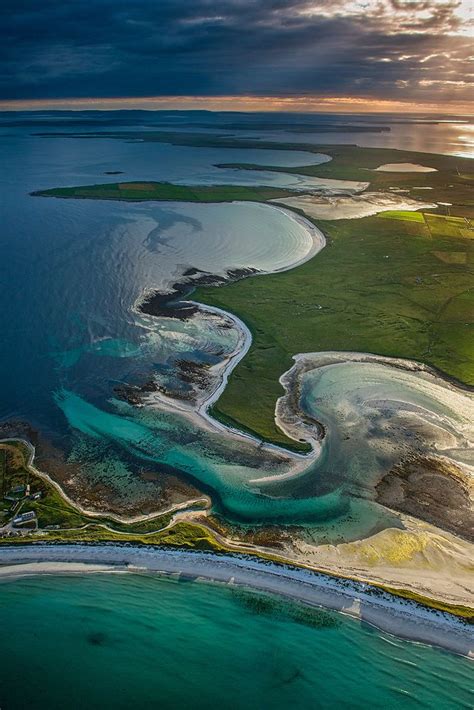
(431, 565)
(400, 617)
(199, 412)
(95, 514)
(202, 412)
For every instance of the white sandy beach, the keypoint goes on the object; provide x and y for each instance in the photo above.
(405, 168)
(198, 410)
(397, 616)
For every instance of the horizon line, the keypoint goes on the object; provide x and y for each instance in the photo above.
(244, 103)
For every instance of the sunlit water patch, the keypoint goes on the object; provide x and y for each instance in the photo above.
(417, 133)
(352, 206)
(174, 242)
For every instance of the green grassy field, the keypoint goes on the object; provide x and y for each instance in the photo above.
(181, 535)
(159, 191)
(379, 286)
(403, 215)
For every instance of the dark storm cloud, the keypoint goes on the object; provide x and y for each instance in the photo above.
(110, 48)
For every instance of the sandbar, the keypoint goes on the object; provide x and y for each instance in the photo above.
(404, 168)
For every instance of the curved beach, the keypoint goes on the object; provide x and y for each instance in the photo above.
(394, 615)
(199, 411)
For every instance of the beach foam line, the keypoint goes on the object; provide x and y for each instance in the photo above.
(403, 618)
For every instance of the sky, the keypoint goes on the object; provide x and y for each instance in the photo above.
(246, 54)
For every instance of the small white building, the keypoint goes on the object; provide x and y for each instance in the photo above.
(22, 518)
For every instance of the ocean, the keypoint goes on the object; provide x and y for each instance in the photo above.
(122, 641)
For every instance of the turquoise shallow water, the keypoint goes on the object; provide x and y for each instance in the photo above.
(124, 641)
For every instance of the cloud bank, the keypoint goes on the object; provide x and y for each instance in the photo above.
(416, 50)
